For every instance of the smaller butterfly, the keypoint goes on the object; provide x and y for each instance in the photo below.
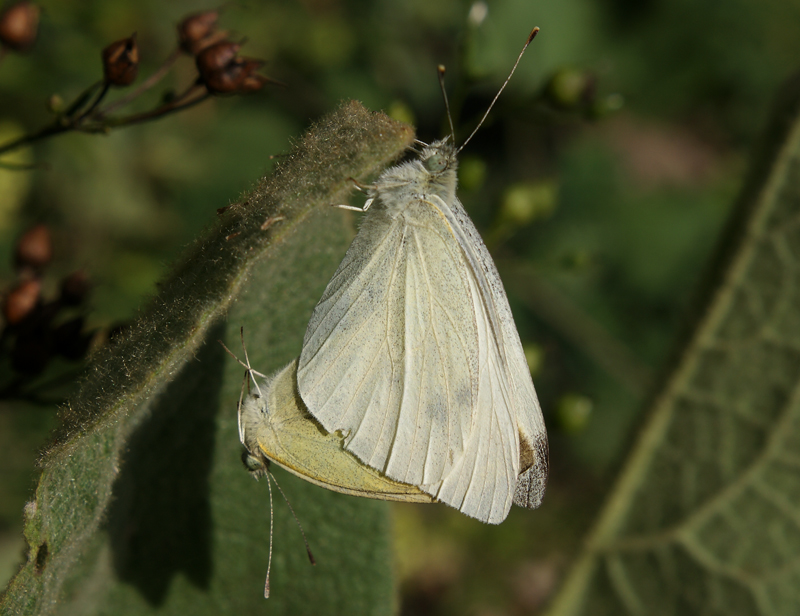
(275, 426)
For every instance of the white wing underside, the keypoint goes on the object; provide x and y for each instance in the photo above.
(413, 355)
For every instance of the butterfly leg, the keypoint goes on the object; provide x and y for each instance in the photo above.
(359, 185)
(365, 188)
(354, 208)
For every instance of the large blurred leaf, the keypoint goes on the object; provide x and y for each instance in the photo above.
(705, 517)
(143, 503)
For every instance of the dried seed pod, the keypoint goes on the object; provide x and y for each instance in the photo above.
(121, 61)
(34, 249)
(21, 301)
(75, 288)
(195, 29)
(238, 76)
(19, 24)
(215, 37)
(216, 57)
(253, 83)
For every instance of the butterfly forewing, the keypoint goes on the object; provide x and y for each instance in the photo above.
(390, 357)
(412, 354)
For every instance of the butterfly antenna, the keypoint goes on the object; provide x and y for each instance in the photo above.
(239, 406)
(247, 359)
(300, 526)
(271, 517)
(440, 73)
(246, 366)
(531, 36)
(247, 373)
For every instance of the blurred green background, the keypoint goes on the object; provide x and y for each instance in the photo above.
(601, 182)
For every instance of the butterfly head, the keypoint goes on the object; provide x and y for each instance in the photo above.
(256, 463)
(440, 163)
(438, 157)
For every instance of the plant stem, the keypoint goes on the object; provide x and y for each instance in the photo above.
(96, 102)
(48, 131)
(81, 100)
(158, 112)
(144, 86)
(85, 123)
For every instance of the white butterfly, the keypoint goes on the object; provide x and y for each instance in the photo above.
(412, 353)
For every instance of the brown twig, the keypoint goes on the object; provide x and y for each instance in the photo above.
(220, 71)
(144, 86)
(47, 131)
(95, 103)
(86, 122)
(138, 118)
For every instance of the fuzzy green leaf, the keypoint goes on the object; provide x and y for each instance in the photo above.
(705, 517)
(143, 502)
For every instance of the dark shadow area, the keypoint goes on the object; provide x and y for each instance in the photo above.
(628, 13)
(159, 522)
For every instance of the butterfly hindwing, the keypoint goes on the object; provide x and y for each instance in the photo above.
(534, 461)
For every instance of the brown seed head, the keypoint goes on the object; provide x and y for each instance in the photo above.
(216, 57)
(193, 30)
(253, 83)
(237, 77)
(21, 301)
(121, 61)
(34, 249)
(19, 24)
(218, 36)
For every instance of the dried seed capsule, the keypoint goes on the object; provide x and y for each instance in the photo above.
(19, 25)
(121, 61)
(193, 30)
(34, 248)
(253, 82)
(216, 57)
(238, 76)
(21, 301)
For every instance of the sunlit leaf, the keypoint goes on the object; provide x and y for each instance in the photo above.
(705, 517)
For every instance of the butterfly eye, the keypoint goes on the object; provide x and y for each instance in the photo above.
(436, 163)
(253, 464)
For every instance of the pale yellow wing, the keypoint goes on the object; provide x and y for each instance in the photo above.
(281, 428)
